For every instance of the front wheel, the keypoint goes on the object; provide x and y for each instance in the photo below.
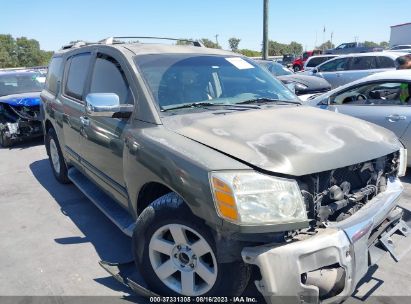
(58, 165)
(177, 256)
(296, 68)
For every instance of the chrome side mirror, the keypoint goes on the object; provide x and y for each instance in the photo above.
(102, 104)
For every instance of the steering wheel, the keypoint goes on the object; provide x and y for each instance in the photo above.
(361, 97)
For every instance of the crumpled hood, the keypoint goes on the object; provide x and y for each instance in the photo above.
(24, 99)
(287, 139)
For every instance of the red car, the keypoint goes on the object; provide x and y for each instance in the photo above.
(298, 64)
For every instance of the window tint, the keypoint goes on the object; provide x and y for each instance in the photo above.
(316, 61)
(363, 63)
(108, 77)
(53, 75)
(334, 65)
(385, 62)
(382, 93)
(77, 75)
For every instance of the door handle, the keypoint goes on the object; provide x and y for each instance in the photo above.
(395, 117)
(84, 121)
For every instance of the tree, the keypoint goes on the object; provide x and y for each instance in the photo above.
(210, 44)
(370, 44)
(384, 44)
(21, 52)
(295, 48)
(326, 45)
(250, 53)
(234, 42)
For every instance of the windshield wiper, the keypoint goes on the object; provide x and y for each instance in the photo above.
(267, 100)
(195, 105)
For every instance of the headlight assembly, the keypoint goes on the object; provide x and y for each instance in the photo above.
(251, 198)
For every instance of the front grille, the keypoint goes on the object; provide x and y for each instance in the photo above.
(336, 194)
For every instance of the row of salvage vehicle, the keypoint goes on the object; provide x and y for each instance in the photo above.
(219, 173)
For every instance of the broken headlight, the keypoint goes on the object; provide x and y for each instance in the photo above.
(13, 127)
(251, 198)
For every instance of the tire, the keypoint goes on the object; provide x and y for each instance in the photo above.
(58, 165)
(296, 68)
(5, 141)
(183, 252)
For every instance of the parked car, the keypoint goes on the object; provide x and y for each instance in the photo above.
(299, 84)
(288, 60)
(19, 106)
(378, 99)
(400, 47)
(298, 63)
(347, 68)
(212, 165)
(352, 47)
(314, 61)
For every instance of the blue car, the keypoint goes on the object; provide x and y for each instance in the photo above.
(20, 105)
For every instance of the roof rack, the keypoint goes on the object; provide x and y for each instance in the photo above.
(112, 40)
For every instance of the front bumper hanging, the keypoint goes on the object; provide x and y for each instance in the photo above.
(329, 265)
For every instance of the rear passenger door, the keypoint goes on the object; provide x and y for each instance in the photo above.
(103, 139)
(359, 67)
(334, 70)
(72, 98)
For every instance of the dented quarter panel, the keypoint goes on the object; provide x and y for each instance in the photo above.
(292, 140)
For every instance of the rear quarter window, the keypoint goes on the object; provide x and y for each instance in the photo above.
(54, 74)
(385, 62)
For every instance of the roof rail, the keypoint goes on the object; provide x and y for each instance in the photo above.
(76, 44)
(112, 40)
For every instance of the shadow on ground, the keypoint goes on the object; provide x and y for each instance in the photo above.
(109, 242)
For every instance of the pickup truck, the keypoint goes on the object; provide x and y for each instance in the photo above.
(352, 47)
(219, 174)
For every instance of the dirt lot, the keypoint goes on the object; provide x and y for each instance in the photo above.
(52, 237)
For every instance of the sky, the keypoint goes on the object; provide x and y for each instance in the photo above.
(55, 23)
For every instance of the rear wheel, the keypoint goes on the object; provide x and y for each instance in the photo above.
(5, 141)
(177, 256)
(296, 68)
(56, 158)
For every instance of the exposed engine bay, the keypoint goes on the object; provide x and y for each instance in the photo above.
(18, 122)
(335, 195)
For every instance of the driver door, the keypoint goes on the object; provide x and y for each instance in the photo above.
(377, 102)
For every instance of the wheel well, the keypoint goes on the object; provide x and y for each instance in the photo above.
(149, 193)
(48, 125)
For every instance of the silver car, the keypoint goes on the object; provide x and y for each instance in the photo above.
(347, 68)
(382, 98)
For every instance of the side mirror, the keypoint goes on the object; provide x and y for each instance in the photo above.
(106, 105)
(314, 70)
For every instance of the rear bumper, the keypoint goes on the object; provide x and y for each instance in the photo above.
(338, 254)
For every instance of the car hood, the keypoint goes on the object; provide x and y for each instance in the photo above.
(293, 140)
(313, 83)
(24, 99)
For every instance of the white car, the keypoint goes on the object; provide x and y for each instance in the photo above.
(383, 98)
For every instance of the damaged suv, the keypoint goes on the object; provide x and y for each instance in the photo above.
(217, 172)
(20, 106)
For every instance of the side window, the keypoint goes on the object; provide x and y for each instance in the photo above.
(382, 93)
(363, 63)
(108, 77)
(334, 65)
(385, 62)
(77, 75)
(53, 74)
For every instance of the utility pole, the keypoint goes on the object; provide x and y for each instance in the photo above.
(265, 30)
(216, 39)
(332, 33)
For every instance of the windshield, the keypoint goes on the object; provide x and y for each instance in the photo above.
(18, 83)
(280, 70)
(177, 79)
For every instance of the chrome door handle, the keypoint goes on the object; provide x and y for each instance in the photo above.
(84, 121)
(395, 117)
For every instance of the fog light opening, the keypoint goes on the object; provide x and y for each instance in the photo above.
(330, 280)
